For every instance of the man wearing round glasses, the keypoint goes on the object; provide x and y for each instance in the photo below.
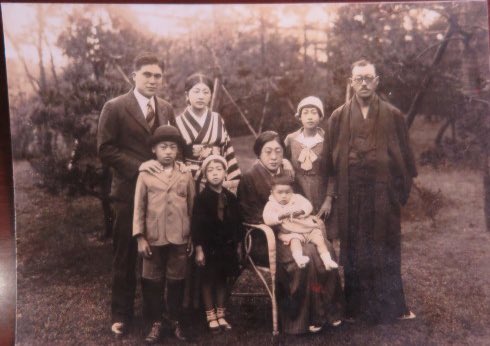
(368, 152)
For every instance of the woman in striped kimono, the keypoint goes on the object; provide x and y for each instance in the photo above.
(204, 132)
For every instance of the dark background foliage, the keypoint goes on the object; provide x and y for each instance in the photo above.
(266, 69)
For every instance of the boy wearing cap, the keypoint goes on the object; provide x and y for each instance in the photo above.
(304, 149)
(161, 224)
(216, 233)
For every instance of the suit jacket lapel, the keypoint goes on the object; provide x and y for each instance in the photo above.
(169, 180)
(174, 177)
(134, 110)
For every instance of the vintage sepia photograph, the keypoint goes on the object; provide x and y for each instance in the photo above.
(300, 173)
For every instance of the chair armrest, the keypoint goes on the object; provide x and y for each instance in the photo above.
(271, 243)
(271, 247)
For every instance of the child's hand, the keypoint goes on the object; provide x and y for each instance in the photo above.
(143, 247)
(284, 216)
(297, 213)
(200, 259)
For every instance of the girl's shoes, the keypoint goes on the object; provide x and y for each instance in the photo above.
(224, 324)
(213, 324)
(221, 319)
(314, 329)
(336, 323)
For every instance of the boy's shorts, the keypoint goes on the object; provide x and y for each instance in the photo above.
(315, 237)
(166, 262)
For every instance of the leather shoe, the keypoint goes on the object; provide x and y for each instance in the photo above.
(179, 332)
(119, 329)
(408, 316)
(155, 333)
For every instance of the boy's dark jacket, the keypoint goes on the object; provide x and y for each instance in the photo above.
(218, 238)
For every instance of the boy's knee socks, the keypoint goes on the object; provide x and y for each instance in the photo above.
(152, 291)
(175, 294)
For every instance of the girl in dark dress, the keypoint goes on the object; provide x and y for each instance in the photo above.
(216, 232)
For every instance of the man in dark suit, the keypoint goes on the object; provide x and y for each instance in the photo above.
(125, 126)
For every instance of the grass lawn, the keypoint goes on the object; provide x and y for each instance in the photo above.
(64, 270)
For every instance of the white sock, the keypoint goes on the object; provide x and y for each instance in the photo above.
(328, 261)
(300, 260)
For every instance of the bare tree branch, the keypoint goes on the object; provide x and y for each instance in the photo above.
(435, 45)
(417, 100)
(32, 80)
(53, 68)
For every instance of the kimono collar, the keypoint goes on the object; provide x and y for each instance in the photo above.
(200, 119)
(208, 187)
(279, 170)
(373, 106)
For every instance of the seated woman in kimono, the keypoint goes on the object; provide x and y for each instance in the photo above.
(307, 298)
(204, 132)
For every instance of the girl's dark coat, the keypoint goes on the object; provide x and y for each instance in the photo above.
(219, 239)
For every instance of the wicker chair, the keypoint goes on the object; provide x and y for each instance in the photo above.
(262, 271)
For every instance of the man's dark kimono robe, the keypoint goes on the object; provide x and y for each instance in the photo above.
(374, 165)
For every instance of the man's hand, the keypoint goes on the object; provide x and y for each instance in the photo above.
(200, 260)
(143, 247)
(182, 167)
(326, 208)
(151, 166)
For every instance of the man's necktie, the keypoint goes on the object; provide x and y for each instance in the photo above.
(150, 115)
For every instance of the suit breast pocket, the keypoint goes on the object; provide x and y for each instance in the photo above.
(181, 189)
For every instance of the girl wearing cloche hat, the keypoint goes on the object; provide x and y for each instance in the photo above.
(304, 149)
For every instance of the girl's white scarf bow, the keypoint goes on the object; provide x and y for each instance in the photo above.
(306, 158)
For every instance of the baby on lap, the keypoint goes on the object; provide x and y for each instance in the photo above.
(291, 212)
